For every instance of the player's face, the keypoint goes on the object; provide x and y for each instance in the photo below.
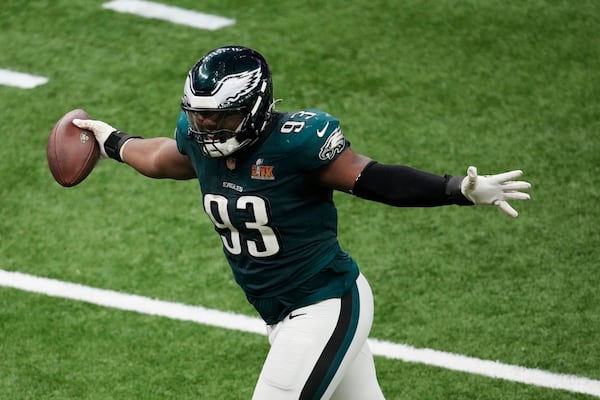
(215, 120)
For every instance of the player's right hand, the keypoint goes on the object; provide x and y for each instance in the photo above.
(100, 129)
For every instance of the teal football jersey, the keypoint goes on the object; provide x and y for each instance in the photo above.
(278, 227)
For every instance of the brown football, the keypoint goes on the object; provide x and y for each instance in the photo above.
(72, 152)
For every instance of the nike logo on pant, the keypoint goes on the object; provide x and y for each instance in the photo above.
(296, 315)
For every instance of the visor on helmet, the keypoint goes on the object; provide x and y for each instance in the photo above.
(217, 131)
(214, 120)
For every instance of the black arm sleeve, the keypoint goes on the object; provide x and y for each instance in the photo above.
(402, 186)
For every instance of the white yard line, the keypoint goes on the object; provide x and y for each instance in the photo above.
(173, 14)
(146, 9)
(20, 79)
(492, 369)
(228, 320)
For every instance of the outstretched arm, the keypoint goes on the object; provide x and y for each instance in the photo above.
(403, 186)
(154, 157)
(157, 158)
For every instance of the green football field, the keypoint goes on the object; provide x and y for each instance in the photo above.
(435, 84)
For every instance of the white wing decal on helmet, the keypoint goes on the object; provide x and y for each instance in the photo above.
(233, 87)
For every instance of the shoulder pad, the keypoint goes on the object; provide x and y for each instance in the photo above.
(315, 134)
(181, 132)
(182, 124)
(309, 125)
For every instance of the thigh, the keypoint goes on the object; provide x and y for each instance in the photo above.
(360, 380)
(314, 346)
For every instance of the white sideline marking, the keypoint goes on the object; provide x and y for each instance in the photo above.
(228, 320)
(20, 79)
(173, 14)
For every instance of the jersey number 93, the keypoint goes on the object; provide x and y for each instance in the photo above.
(216, 206)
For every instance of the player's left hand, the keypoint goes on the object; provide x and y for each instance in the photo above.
(495, 189)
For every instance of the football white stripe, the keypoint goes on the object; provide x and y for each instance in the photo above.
(228, 320)
(172, 14)
(20, 80)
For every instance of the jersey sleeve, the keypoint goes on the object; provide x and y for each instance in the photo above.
(322, 140)
(181, 136)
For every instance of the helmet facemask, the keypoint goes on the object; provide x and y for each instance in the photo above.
(218, 132)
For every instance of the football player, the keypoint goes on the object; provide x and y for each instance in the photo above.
(267, 179)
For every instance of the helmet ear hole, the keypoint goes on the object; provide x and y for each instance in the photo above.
(231, 78)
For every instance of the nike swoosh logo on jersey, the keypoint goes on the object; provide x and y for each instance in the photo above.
(321, 132)
(297, 315)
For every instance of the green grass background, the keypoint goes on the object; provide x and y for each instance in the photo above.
(438, 85)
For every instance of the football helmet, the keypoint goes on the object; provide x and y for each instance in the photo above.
(228, 100)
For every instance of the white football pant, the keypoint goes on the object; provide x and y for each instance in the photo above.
(320, 352)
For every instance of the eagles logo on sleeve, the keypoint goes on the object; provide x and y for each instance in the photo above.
(334, 144)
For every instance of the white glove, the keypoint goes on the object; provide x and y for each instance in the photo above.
(495, 189)
(101, 131)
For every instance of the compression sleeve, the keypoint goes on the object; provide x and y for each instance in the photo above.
(402, 186)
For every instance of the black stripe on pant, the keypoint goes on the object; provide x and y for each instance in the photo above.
(335, 349)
